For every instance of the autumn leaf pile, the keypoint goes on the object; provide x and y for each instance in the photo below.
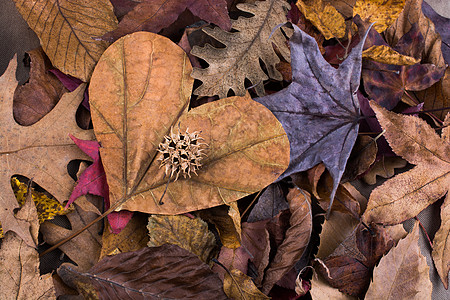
(221, 149)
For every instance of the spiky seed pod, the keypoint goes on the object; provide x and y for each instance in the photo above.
(182, 153)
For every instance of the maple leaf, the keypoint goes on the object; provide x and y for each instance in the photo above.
(247, 147)
(40, 151)
(240, 59)
(154, 15)
(319, 110)
(405, 195)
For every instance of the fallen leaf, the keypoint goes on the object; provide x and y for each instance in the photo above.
(363, 155)
(441, 25)
(319, 109)
(148, 273)
(385, 167)
(402, 273)
(324, 17)
(36, 98)
(405, 195)
(345, 7)
(239, 286)
(383, 13)
(441, 249)
(133, 237)
(66, 31)
(40, 151)
(411, 14)
(320, 289)
(248, 148)
(152, 16)
(122, 7)
(296, 239)
(269, 204)
(245, 48)
(190, 234)
(386, 55)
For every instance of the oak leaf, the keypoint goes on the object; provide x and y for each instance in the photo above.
(151, 15)
(402, 273)
(383, 13)
(167, 272)
(248, 148)
(67, 30)
(40, 151)
(319, 110)
(190, 234)
(441, 248)
(238, 286)
(405, 195)
(245, 48)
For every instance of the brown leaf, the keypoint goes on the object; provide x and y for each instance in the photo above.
(407, 194)
(90, 240)
(363, 155)
(19, 263)
(383, 13)
(36, 98)
(41, 151)
(133, 237)
(441, 248)
(248, 148)
(190, 234)
(245, 48)
(67, 31)
(345, 7)
(385, 167)
(269, 204)
(411, 14)
(386, 55)
(296, 240)
(168, 272)
(320, 289)
(239, 286)
(402, 273)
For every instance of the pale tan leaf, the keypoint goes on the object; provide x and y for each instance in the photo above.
(67, 31)
(320, 290)
(402, 273)
(441, 246)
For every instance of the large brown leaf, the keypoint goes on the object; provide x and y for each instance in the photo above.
(139, 90)
(402, 273)
(166, 272)
(67, 30)
(441, 247)
(41, 151)
(407, 194)
(245, 48)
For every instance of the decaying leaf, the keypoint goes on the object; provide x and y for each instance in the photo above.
(190, 234)
(363, 155)
(67, 30)
(324, 17)
(247, 146)
(40, 151)
(239, 286)
(240, 59)
(382, 12)
(167, 272)
(320, 289)
(319, 109)
(441, 25)
(386, 55)
(385, 167)
(441, 247)
(269, 204)
(402, 273)
(407, 194)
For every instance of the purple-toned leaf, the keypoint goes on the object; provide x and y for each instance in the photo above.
(269, 204)
(442, 26)
(71, 83)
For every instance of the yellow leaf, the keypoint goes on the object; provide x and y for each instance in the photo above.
(324, 17)
(382, 12)
(386, 55)
(238, 286)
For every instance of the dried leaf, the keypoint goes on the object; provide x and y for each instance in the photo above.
(66, 30)
(385, 167)
(168, 272)
(441, 248)
(296, 240)
(386, 55)
(240, 59)
(239, 286)
(36, 98)
(407, 194)
(40, 151)
(363, 155)
(441, 26)
(190, 234)
(151, 15)
(320, 289)
(324, 17)
(247, 145)
(269, 204)
(382, 12)
(402, 273)
(319, 109)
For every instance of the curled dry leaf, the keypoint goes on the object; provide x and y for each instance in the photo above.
(383, 13)
(40, 151)
(239, 286)
(190, 234)
(248, 148)
(441, 247)
(407, 194)
(147, 273)
(386, 55)
(402, 273)
(67, 30)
